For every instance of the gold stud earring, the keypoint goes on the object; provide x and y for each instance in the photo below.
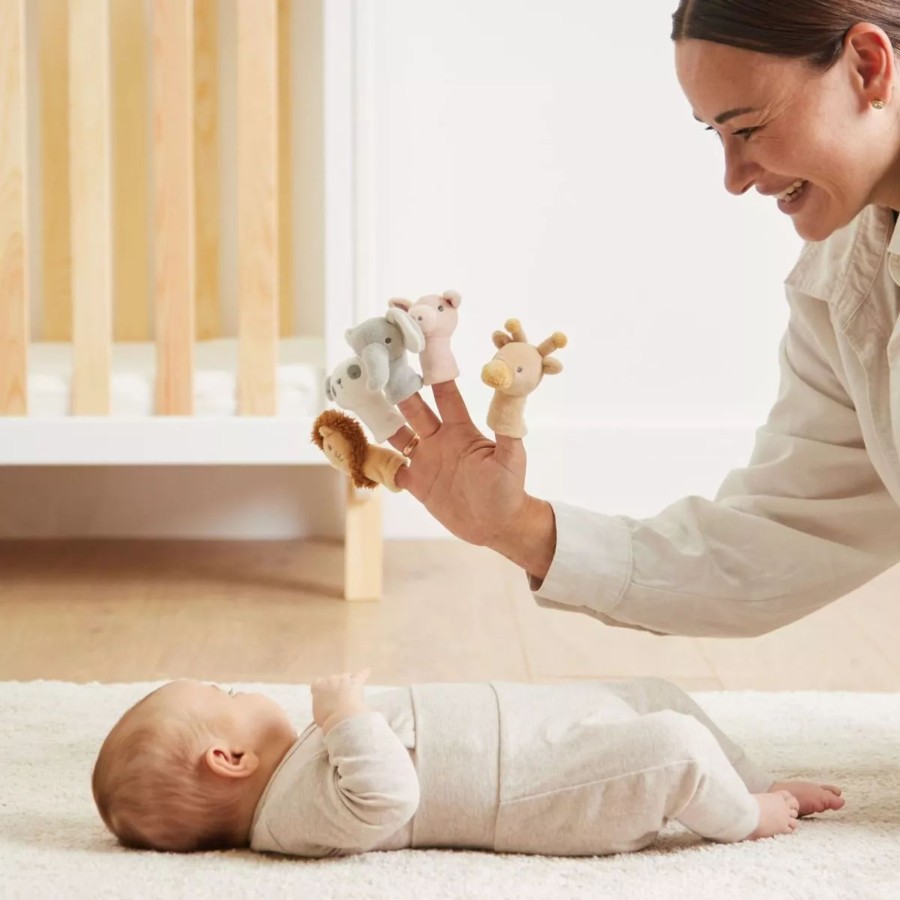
(878, 104)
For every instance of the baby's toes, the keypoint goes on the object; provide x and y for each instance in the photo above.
(792, 802)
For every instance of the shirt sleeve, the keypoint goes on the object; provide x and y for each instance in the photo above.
(805, 522)
(350, 798)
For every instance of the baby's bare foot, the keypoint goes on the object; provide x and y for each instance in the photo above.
(777, 814)
(813, 798)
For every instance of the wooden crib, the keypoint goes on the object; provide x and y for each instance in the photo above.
(176, 258)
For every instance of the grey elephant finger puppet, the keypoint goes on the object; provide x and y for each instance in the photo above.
(342, 439)
(350, 387)
(515, 371)
(437, 315)
(381, 343)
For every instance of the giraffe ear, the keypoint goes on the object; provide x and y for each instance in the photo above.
(552, 366)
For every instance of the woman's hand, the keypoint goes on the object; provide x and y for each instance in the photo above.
(337, 697)
(473, 486)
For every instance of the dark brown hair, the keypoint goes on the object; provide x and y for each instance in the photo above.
(813, 30)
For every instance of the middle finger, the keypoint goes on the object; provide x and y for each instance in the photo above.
(421, 417)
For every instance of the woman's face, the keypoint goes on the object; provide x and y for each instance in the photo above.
(807, 138)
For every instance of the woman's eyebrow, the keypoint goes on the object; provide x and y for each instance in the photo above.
(722, 118)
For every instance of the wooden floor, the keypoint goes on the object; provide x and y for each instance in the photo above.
(142, 611)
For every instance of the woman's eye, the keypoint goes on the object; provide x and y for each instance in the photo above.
(745, 133)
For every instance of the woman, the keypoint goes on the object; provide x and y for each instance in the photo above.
(802, 95)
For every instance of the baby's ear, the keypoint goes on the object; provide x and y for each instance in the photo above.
(229, 763)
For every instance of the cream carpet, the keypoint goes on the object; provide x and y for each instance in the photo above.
(53, 845)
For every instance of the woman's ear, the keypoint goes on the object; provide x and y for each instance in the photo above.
(873, 60)
(229, 763)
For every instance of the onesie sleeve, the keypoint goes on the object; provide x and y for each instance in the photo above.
(806, 521)
(349, 797)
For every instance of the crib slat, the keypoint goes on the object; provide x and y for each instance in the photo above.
(13, 290)
(285, 167)
(91, 183)
(207, 166)
(55, 219)
(131, 318)
(173, 136)
(257, 205)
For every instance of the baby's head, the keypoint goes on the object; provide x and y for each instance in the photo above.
(183, 769)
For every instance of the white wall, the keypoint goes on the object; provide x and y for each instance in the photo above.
(539, 158)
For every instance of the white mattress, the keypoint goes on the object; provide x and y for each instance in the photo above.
(299, 383)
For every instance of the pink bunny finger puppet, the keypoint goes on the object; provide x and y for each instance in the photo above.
(515, 371)
(348, 387)
(437, 315)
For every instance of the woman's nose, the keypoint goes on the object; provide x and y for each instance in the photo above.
(740, 173)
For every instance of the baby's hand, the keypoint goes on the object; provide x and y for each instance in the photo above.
(337, 697)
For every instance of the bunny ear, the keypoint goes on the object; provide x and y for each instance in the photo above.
(413, 339)
(400, 303)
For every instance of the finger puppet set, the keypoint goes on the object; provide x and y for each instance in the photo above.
(378, 376)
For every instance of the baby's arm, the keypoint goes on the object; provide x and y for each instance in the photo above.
(369, 788)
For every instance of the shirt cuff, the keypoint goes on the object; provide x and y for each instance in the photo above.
(592, 564)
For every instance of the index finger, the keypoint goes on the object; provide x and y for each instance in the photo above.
(451, 406)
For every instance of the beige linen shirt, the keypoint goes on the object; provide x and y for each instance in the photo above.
(815, 512)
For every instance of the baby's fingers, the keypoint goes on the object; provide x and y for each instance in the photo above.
(361, 677)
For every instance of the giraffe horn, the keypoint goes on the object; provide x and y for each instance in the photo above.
(514, 327)
(556, 341)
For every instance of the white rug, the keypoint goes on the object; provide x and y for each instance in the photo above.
(53, 845)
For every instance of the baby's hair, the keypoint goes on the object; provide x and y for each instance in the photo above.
(153, 790)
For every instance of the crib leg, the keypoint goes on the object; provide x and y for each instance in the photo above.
(363, 546)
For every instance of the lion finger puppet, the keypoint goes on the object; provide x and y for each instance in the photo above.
(341, 438)
(349, 387)
(515, 371)
(437, 316)
(381, 343)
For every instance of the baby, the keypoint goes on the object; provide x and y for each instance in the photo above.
(577, 769)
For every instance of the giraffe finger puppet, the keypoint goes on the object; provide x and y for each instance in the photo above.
(515, 371)
(437, 316)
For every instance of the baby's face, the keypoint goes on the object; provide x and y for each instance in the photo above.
(252, 718)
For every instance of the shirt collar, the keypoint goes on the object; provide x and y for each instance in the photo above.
(894, 253)
(894, 246)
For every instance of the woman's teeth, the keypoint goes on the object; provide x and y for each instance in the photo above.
(792, 192)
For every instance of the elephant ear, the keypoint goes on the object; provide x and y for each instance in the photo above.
(329, 389)
(413, 339)
(400, 303)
